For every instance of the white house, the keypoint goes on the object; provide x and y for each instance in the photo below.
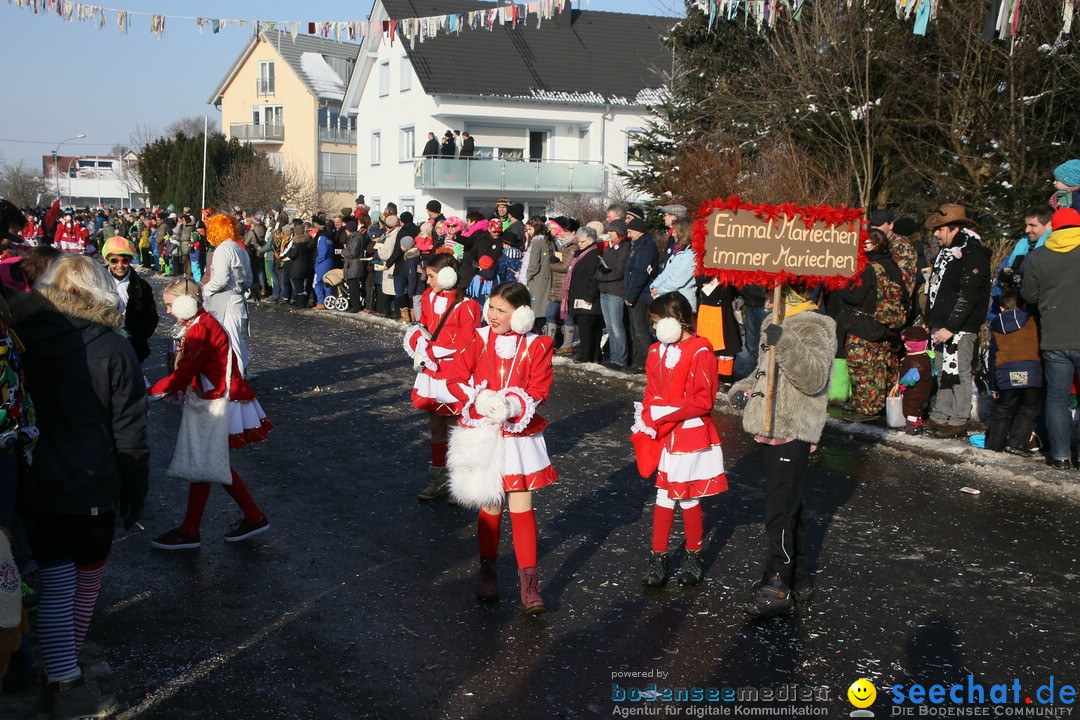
(549, 108)
(95, 181)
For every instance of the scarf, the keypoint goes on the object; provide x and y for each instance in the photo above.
(944, 257)
(564, 308)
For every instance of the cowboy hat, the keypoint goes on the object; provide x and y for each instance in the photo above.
(949, 215)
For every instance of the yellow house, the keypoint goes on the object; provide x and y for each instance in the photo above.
(283, 95)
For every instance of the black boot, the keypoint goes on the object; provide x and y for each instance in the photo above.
(692, 568)
(773, 598)
(657, 570)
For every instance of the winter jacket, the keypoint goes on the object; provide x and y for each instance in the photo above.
(1014, 352)
(141, 315)
(296, 258)
(678, 276)
(324, 254)
(1050, 282)
(431, 148)
(964, 291)
(203, 352)
(640, 269)
(804, 358)
(229, 276)
(255, 237)
(353, 252)
(584, 290)
(468, 147)
(612, 277)
(90, 397)
(448, 149)
(537, 276)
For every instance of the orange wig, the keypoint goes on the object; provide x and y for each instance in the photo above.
(221, 227)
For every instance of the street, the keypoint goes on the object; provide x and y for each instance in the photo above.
(358, 602)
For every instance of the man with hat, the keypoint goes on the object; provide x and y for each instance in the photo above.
(958, 293)
(514, 233)
(1050, 275)
(136, 296)
(502, 212)
(434, 213)
(641, 268)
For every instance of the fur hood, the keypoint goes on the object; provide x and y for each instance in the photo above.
(804, 359)
(46, 298)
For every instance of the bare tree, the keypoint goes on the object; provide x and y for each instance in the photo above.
(191, 126)
(258, 185)
(141, 136)
(20, 186)
(588, 207)
(129, 176)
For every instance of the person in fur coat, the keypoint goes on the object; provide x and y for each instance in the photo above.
(207, 364)
(498, 449)
(448, 322)
(804, 343)
(676, 412)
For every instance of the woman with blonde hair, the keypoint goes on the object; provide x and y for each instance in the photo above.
(91, 463)
(206, 364)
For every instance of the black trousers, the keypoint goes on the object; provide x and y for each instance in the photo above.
(356, 293)
(85, 539)
(1014, 415)
(640, 332)
(588, 328)
(785, 471)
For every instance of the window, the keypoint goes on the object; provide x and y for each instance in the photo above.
(634, 153)
(384, 78)
(407, 145)
(268, 115)
(406, 73)
(407, 204)
(265, 83)
(376, 148)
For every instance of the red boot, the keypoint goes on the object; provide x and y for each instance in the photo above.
(531, 602)
(487, 588)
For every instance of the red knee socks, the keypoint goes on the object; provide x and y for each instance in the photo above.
(198, 493)
(524, 526)
(239, 492)
(693, 520)
(662, 520)
(438, 454)
(487, 532)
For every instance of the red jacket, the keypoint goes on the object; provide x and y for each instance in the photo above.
(679, 400)
(203, 351)
(457, 332)
(525, 374)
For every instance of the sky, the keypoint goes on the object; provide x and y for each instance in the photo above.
(66, 78)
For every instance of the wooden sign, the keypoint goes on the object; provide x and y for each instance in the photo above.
(745, 244)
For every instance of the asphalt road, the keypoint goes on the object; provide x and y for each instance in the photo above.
(358, 602)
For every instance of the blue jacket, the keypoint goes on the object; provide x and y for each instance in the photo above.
(640, 268)
(324, 255)
(1014, 352)
(678, 276)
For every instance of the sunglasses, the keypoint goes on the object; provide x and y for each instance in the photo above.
(120, 259)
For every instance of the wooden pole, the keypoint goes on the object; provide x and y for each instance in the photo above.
(770, 387)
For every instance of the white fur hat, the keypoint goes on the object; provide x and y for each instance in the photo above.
(668, 330)
(447, 278)
(522, 319)
(185, 307)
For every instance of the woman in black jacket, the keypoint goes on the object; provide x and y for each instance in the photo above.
(91, 464)
(581, 295)
(298, 263)
(356, 260)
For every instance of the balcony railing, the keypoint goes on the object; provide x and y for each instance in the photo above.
(257, 133)
(264, 86)
(343, 136)
(337, 182)
(487, 174)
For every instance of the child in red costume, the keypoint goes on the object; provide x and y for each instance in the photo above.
(201, 366)
(499, 445)
(676, 412)
(448, 322)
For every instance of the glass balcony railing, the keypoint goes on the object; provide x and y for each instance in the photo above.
(342, 136)
(257, 133)
(521, 176)
(337, 182)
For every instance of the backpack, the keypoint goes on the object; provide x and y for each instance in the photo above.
(889, 310)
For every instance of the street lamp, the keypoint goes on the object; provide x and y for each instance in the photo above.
(56, 166)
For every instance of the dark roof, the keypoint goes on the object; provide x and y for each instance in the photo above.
(577, 56)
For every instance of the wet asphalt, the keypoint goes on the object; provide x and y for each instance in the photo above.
(358, 602)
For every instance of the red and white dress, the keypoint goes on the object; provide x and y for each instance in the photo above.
(200, 367)
(680, 389)
(430, 389)
(517, 366)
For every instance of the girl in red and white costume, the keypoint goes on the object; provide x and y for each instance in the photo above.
(448, 322)
(201, 367)
(499, 447)
(680, 388)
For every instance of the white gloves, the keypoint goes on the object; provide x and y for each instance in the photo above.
(421, 361)
(497, 408)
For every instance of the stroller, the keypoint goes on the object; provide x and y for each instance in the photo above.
(338, 297)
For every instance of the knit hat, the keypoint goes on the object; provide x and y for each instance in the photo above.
(1064, 218)
(636, 224)
(407, 243)
(117, 245)
(502, 201)
(635, 212)
(881, 216)
(391, 221)
(516, 211)
(905, 227)
(916, 339)
(406, 218)
(1068, 173)
(485, 262)
(350, 225)
(597, 227)
(434, 206)
(617, 226)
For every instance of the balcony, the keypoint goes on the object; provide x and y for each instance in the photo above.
(341, 136)
(336, 182)
(257, 133)
(555, 176)
(264, 86)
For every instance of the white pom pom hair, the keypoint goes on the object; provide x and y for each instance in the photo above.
(185, 307)
(668, 330)
(522, 320)
(447, 278)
